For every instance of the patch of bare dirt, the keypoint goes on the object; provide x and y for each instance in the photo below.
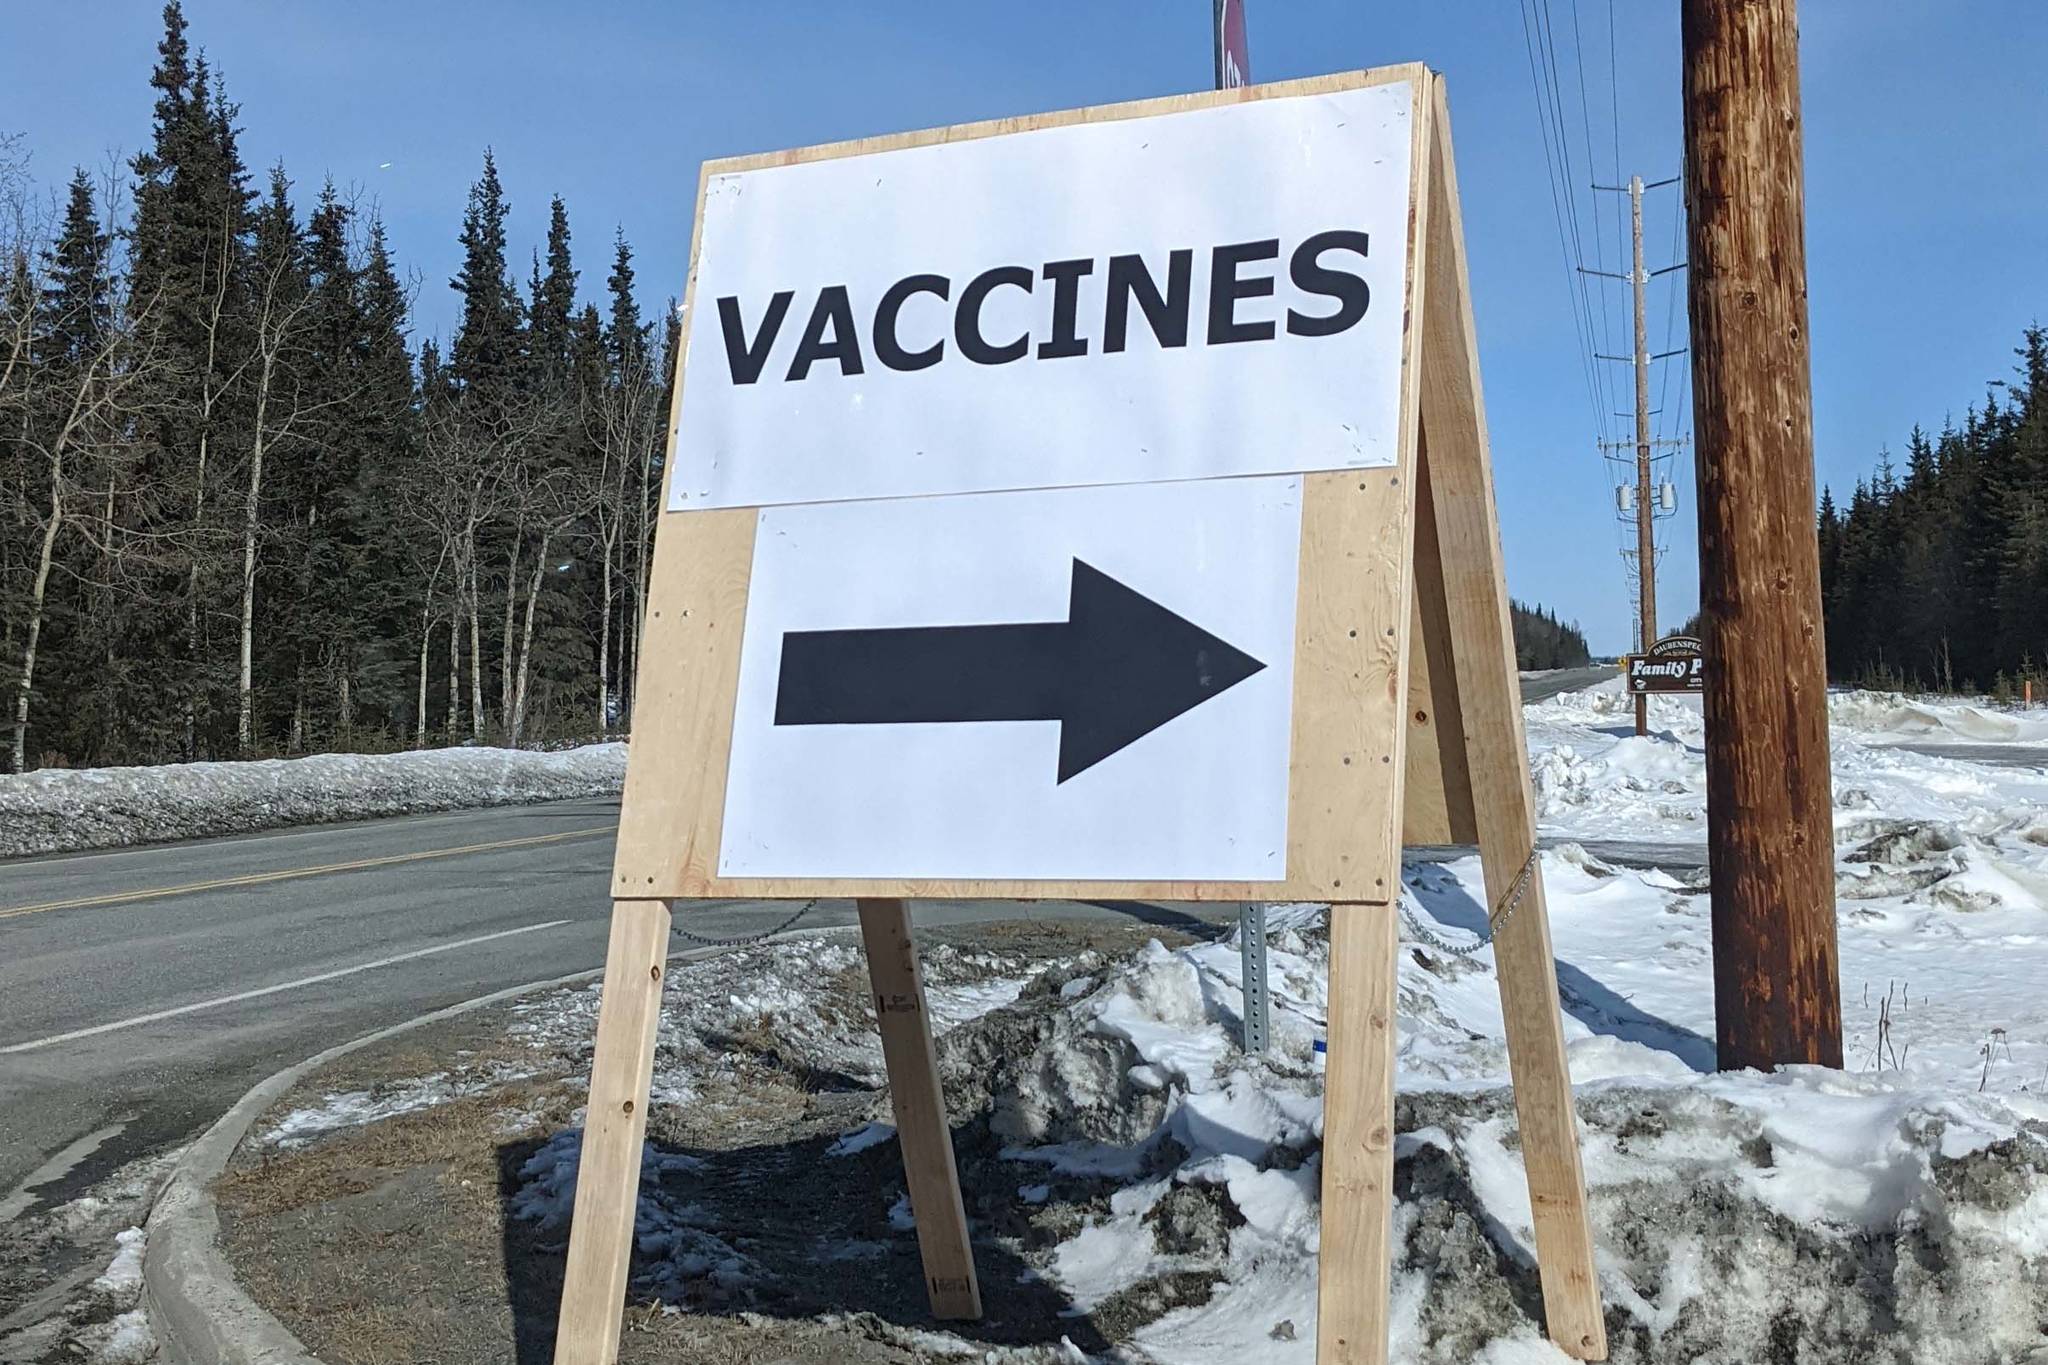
(397, 1240)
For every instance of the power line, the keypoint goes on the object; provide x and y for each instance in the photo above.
(1614, 124)
(1559, 166)
(1586, 130)
(1571, 172)
(1671, 316)
(1603, 327)
(1574, 285)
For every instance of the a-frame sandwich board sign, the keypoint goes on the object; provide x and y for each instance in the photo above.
(1090, 505)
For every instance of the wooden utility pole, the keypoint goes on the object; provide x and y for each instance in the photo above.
(1770, 846)
(1646, 542)
(1647, 497)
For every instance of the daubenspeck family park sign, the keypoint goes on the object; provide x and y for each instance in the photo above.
(1673, 664)
(1091, 505)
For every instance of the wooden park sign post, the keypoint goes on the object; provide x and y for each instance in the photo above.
(1092, 505)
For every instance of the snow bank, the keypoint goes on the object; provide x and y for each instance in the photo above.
(1890, 716)
(124, 1274)
(1596, 779)
(60, 810)
(802, 999)
(125, 1338)
(800, 1002)
(1893, 1213)
(1894, 1216)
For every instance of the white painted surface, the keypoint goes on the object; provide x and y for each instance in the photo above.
(1282, 169)
(1204, 797)
(197, 1006)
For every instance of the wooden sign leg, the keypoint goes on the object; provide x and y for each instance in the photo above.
(1455, 495)
(608, 1176)
(920, 1105)
(1358, 1138)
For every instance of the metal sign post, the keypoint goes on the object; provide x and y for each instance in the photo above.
(1251, 950)
(1233, 69)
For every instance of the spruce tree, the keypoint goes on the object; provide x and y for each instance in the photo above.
(189, 284)
(77, 297)
(554, 299)
(383, 416)
(314, 630)
(625, 336)
(486, 359)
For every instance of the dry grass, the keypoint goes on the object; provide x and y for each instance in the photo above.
(390, 1242)
(665, 1339)
(459, 1138)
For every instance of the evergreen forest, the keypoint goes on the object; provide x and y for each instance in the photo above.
(241, 515)
(1937, 576)
(1543, 641)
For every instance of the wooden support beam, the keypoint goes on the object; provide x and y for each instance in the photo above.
(1358, 1138)
(608, 1176)
(1456, 491)
(1356, 1257)
(920, 1105)
(1437, 792)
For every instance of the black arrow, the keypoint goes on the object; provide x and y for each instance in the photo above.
(1119, 667)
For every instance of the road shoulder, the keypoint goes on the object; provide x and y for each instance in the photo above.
(197, 1308)
(420, 1228)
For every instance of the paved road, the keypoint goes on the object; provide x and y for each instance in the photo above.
(1542, 686)
(143, 990)
(2002, 755)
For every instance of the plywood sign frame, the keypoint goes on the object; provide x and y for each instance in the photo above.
(1406, 723)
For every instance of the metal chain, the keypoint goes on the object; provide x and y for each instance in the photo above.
(741, 940)
(1495, 922)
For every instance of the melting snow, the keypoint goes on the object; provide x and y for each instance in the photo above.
(58, 810)
(1896, 1211)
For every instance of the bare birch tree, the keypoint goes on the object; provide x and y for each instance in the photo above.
(65, 415)
(622, 421)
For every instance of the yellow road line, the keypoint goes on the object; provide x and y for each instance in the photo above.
(290, 873)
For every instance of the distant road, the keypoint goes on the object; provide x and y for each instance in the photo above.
(2003, 755)
(143, 990)
(1543, 686)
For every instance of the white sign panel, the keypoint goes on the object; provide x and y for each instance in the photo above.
(1075, 684)
(1183, 296)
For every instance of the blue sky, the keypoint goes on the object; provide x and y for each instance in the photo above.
(1927, 166)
